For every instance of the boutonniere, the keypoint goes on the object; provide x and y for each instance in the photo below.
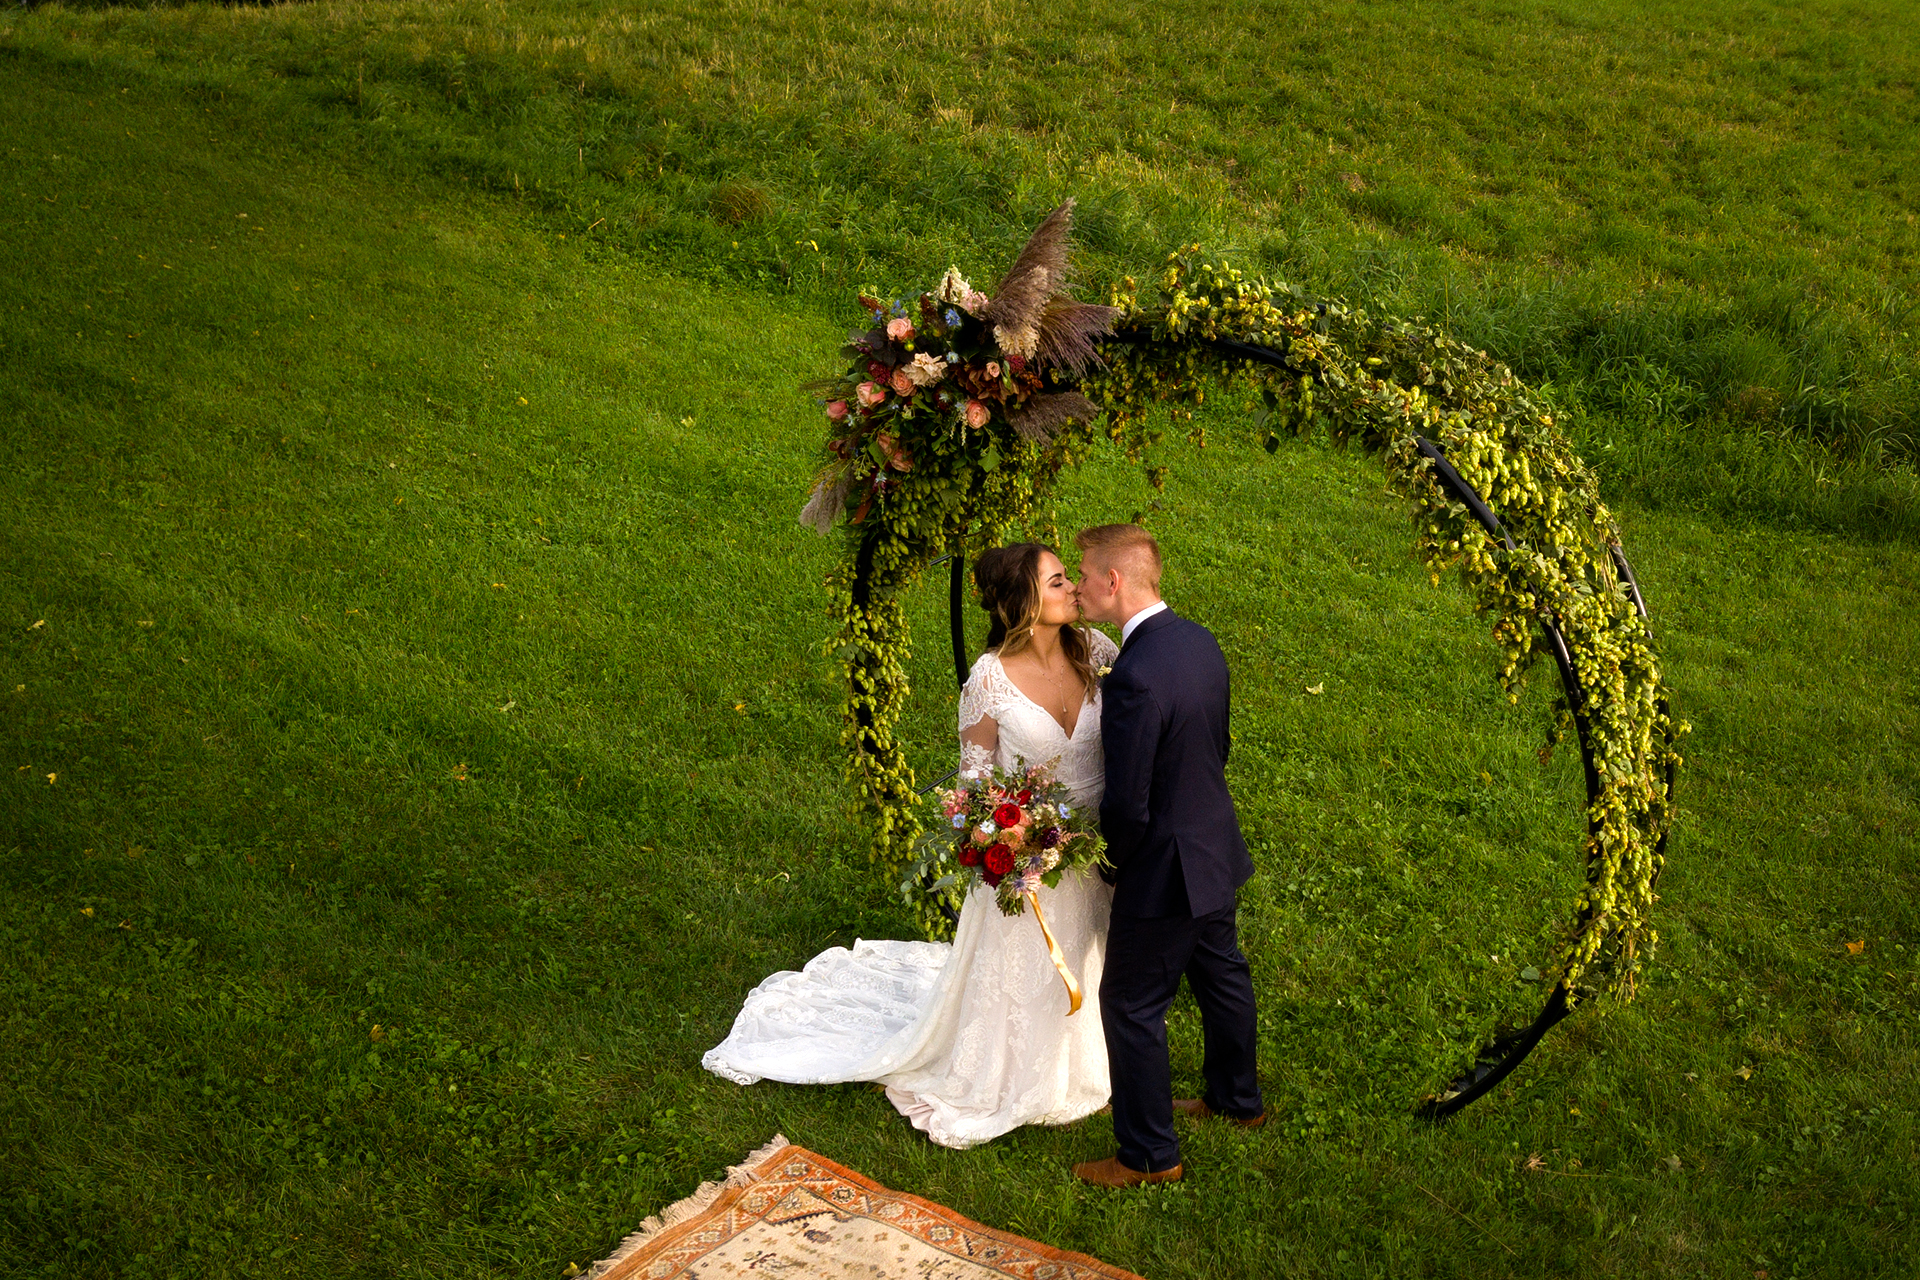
(1104, 672)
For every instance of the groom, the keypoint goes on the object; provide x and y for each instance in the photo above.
(1178, 857)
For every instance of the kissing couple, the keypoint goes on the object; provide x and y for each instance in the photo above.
(975, 1038)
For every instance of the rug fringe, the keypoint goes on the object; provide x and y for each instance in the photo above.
(703, 1196)
(741, 1174)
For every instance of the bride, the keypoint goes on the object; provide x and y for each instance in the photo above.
(973, 1039)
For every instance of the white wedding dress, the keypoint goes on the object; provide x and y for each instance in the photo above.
(972, 1039)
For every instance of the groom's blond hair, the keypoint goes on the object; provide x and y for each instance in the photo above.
(1126, 547)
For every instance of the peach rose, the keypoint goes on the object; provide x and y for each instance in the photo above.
(837, 410)
(977, 414)
(900, 329)
(901, 382)
(897, 458)
(869, 394)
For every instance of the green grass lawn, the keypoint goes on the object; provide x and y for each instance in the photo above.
(418, 737)
(1682, 216)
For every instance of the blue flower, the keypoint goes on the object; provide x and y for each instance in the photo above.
(953, 357)
(1065, 813)
(959, 821)
(952, 318)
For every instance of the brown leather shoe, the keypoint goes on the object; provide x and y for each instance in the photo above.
(1197, 1109)
(1111, 1173)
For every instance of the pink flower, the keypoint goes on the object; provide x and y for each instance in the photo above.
(837, 410)
(977, 414)
(897, 458)
(993, 368)
(902, 383)
(974, 303)
(900, 329)
(869, 395)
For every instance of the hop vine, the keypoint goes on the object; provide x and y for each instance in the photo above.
(1381, 383)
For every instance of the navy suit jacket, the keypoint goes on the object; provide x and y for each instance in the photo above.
(1169, 822)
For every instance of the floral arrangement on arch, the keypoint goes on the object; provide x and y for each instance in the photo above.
(936, 372)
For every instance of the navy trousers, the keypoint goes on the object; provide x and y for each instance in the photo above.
(1145, 959)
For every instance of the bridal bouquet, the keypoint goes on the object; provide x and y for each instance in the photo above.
(1015, 831)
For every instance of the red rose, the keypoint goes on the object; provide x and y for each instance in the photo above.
(969, 855)
(1007, 815)
(1026, 797)
(999, 860)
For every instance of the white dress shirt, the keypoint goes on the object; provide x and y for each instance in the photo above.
(1127, 628)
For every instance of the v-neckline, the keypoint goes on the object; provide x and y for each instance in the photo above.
(1065, 732)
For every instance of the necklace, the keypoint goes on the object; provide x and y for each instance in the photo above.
(1058, 693)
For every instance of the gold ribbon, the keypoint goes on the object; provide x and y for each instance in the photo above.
(1058, 956)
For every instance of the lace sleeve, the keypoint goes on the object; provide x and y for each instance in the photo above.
(979, 731)
(1102, 648)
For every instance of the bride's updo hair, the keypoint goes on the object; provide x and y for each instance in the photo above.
(1008, 579)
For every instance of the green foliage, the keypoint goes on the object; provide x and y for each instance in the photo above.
(961, 496)
(1384, 384)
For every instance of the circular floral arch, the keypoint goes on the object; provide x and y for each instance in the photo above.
(959, 411)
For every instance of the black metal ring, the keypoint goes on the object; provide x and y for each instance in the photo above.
(1500, 1057)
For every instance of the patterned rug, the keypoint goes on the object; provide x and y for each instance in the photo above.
(785, 1211)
